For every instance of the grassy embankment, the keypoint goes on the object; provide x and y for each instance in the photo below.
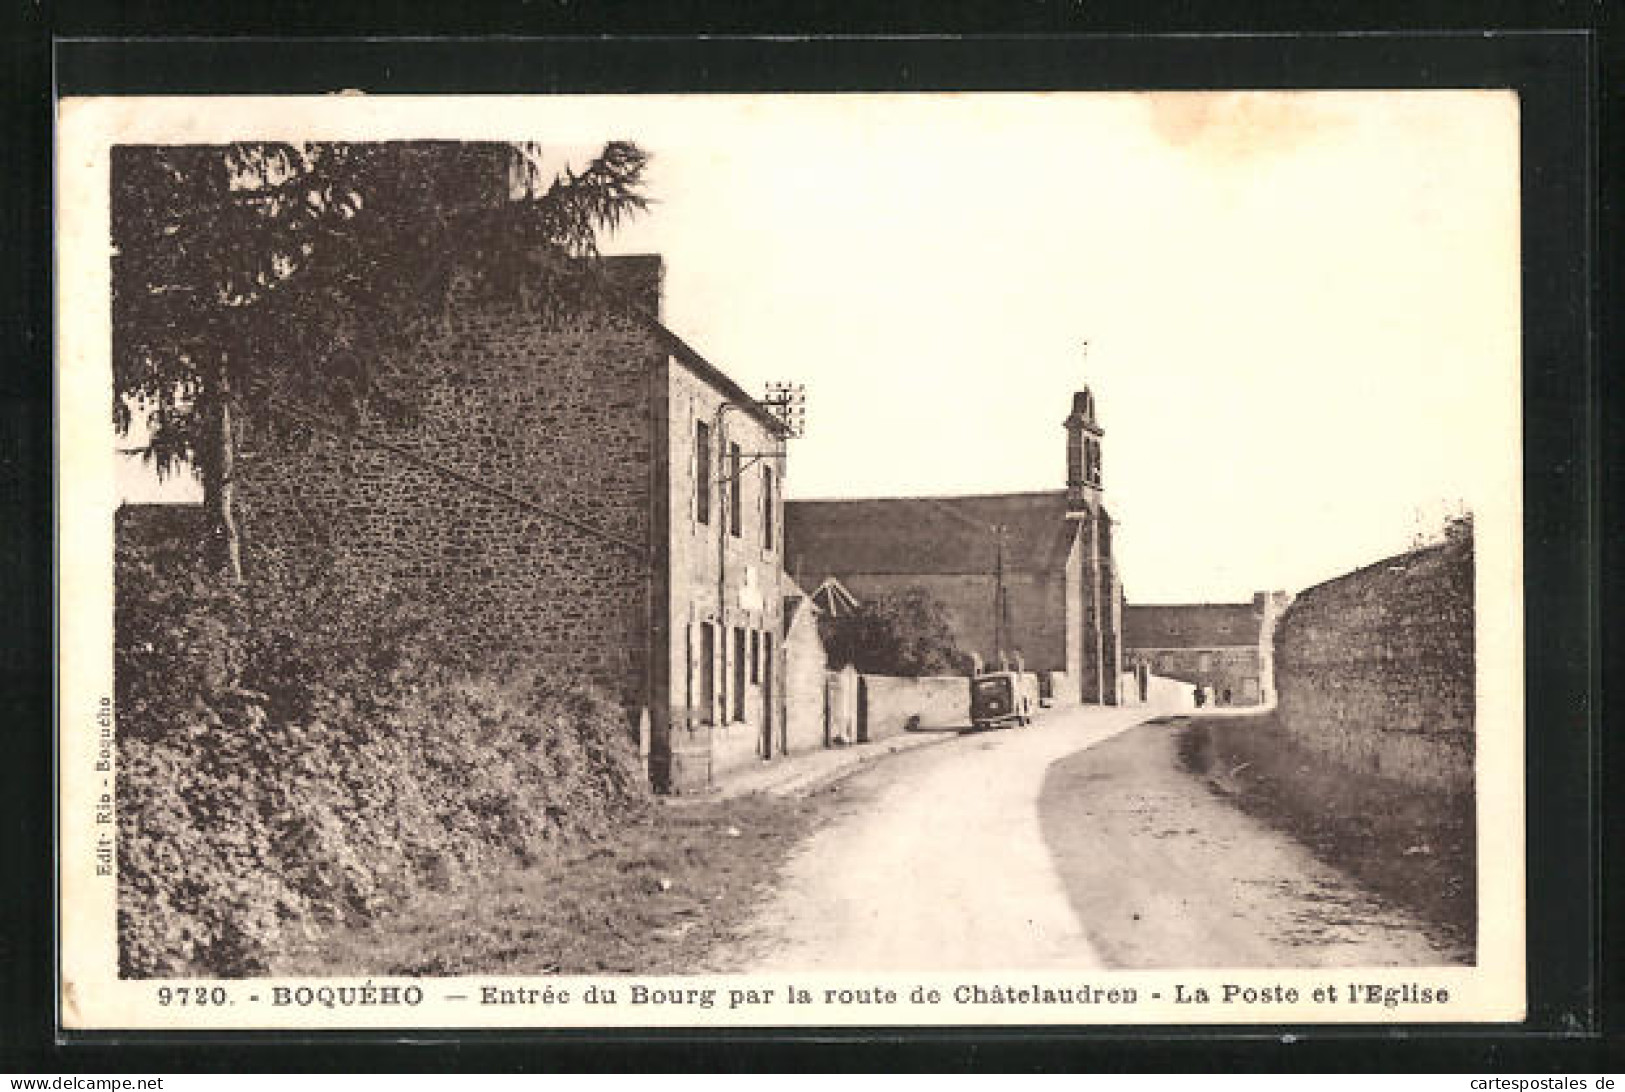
(310, 781)
(1413, 849)
(656, 897)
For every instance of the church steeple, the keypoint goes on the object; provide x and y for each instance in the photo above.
(1083, 470)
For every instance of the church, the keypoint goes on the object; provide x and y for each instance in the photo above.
(1023, 577)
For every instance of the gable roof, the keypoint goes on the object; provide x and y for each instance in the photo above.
(710, 373)
(833, 598)
(1190, 625)
(927, 535)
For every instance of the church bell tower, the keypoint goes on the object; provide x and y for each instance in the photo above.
(1083, 433)
(1092, 617)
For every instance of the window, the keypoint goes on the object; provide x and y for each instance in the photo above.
(736, 487)
(767, 508)
(708, 673)
(702, 472)
(755, 657)
(739, 673)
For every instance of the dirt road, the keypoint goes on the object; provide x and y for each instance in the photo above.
(1077, 843)
(939, 862)
(1166, 874)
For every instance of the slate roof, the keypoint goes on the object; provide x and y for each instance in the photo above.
(927, 535)
(1190, 625)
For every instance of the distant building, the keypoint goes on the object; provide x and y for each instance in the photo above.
(833, 599)
(1027, 573)
(1221, 646)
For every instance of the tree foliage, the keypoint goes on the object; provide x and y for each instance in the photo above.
(905, 634)
(256, 271)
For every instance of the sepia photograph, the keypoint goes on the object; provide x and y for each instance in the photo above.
(771, 560)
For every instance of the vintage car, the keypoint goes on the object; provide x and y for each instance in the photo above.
(1000, 698)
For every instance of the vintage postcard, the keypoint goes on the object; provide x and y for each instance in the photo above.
(790, 560)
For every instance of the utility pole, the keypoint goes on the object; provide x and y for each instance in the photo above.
(1000, 610)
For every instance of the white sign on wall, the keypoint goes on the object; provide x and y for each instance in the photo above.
(750, 593)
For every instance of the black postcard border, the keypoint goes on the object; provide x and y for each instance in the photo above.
(1555, 73)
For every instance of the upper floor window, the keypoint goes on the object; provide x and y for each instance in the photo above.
(767, 507)
(702, 472)
(736, 487)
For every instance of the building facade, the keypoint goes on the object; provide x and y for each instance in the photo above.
(724, 606)
(582, 494)
(1018, 574)
(1227, 648)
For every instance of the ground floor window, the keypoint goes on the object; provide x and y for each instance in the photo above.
(708, 674)
(755, 657)
(739, 673)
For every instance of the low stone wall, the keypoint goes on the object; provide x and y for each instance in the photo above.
(805, 726)
(1030, 689)
(1376, 668)
(1128, 690)
(1057, 688)
(887, 705)
(1170, 694)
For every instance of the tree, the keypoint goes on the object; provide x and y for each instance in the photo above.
(904, 634)
(255, 272)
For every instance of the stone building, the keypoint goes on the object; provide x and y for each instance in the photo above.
(1226, 647)
(583, 494)
(1027, 573)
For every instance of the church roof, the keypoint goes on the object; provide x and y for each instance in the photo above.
(927, 535)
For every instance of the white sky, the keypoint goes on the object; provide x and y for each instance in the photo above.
(1302, 309)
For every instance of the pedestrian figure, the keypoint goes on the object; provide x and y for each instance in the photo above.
(1201, 697)
(1227, 695)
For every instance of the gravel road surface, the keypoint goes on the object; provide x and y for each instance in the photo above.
(1077, 843)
